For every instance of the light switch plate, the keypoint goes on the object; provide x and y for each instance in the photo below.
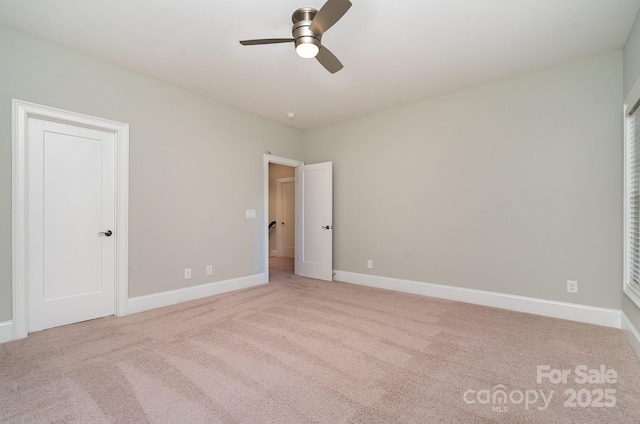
(251, 213)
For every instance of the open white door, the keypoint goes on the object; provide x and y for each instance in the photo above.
(314, 221)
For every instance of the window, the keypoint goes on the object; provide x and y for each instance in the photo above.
(632, 196)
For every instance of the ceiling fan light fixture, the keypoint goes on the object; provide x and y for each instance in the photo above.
(309, 25)
(307, 47)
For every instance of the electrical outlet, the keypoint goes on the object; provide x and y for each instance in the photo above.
(572, 286)
(369, 264)
(209, 269)
(187, 273)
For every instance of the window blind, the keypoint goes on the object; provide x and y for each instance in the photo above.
(633, 193)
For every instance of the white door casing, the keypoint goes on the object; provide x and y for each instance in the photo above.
(286, 217)
(314, 221)
(70, 182)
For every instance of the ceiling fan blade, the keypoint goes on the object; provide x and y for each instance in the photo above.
(328, 15)
(266, 41)
(328, 60)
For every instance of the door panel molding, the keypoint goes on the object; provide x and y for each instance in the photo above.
(23, 111)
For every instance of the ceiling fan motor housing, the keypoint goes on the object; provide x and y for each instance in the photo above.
(302, 34)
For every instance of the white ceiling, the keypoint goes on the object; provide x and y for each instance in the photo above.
(393, 52)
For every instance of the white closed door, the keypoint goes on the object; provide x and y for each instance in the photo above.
(70, 223)
(314, 221)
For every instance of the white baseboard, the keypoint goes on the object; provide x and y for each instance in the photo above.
(6, 331)
(632, 334)
(570, 311)
(158, 300)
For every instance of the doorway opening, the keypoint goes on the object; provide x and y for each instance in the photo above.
(313, 218)
(279, 213)
(281, 218)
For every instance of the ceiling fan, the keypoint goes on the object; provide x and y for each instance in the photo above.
(308, 26)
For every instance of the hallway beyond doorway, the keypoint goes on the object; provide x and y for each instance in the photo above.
(281, 264)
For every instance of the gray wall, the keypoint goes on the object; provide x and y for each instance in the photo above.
(632, 57)
(195, 164)
(631, 75)
(513, 187)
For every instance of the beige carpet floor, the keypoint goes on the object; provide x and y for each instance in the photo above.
(304, 351)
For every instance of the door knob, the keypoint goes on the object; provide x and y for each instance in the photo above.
(327, 227)
(106, 233)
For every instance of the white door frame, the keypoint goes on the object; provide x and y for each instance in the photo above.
(280, 213)
(268, 158)
(22, 112)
